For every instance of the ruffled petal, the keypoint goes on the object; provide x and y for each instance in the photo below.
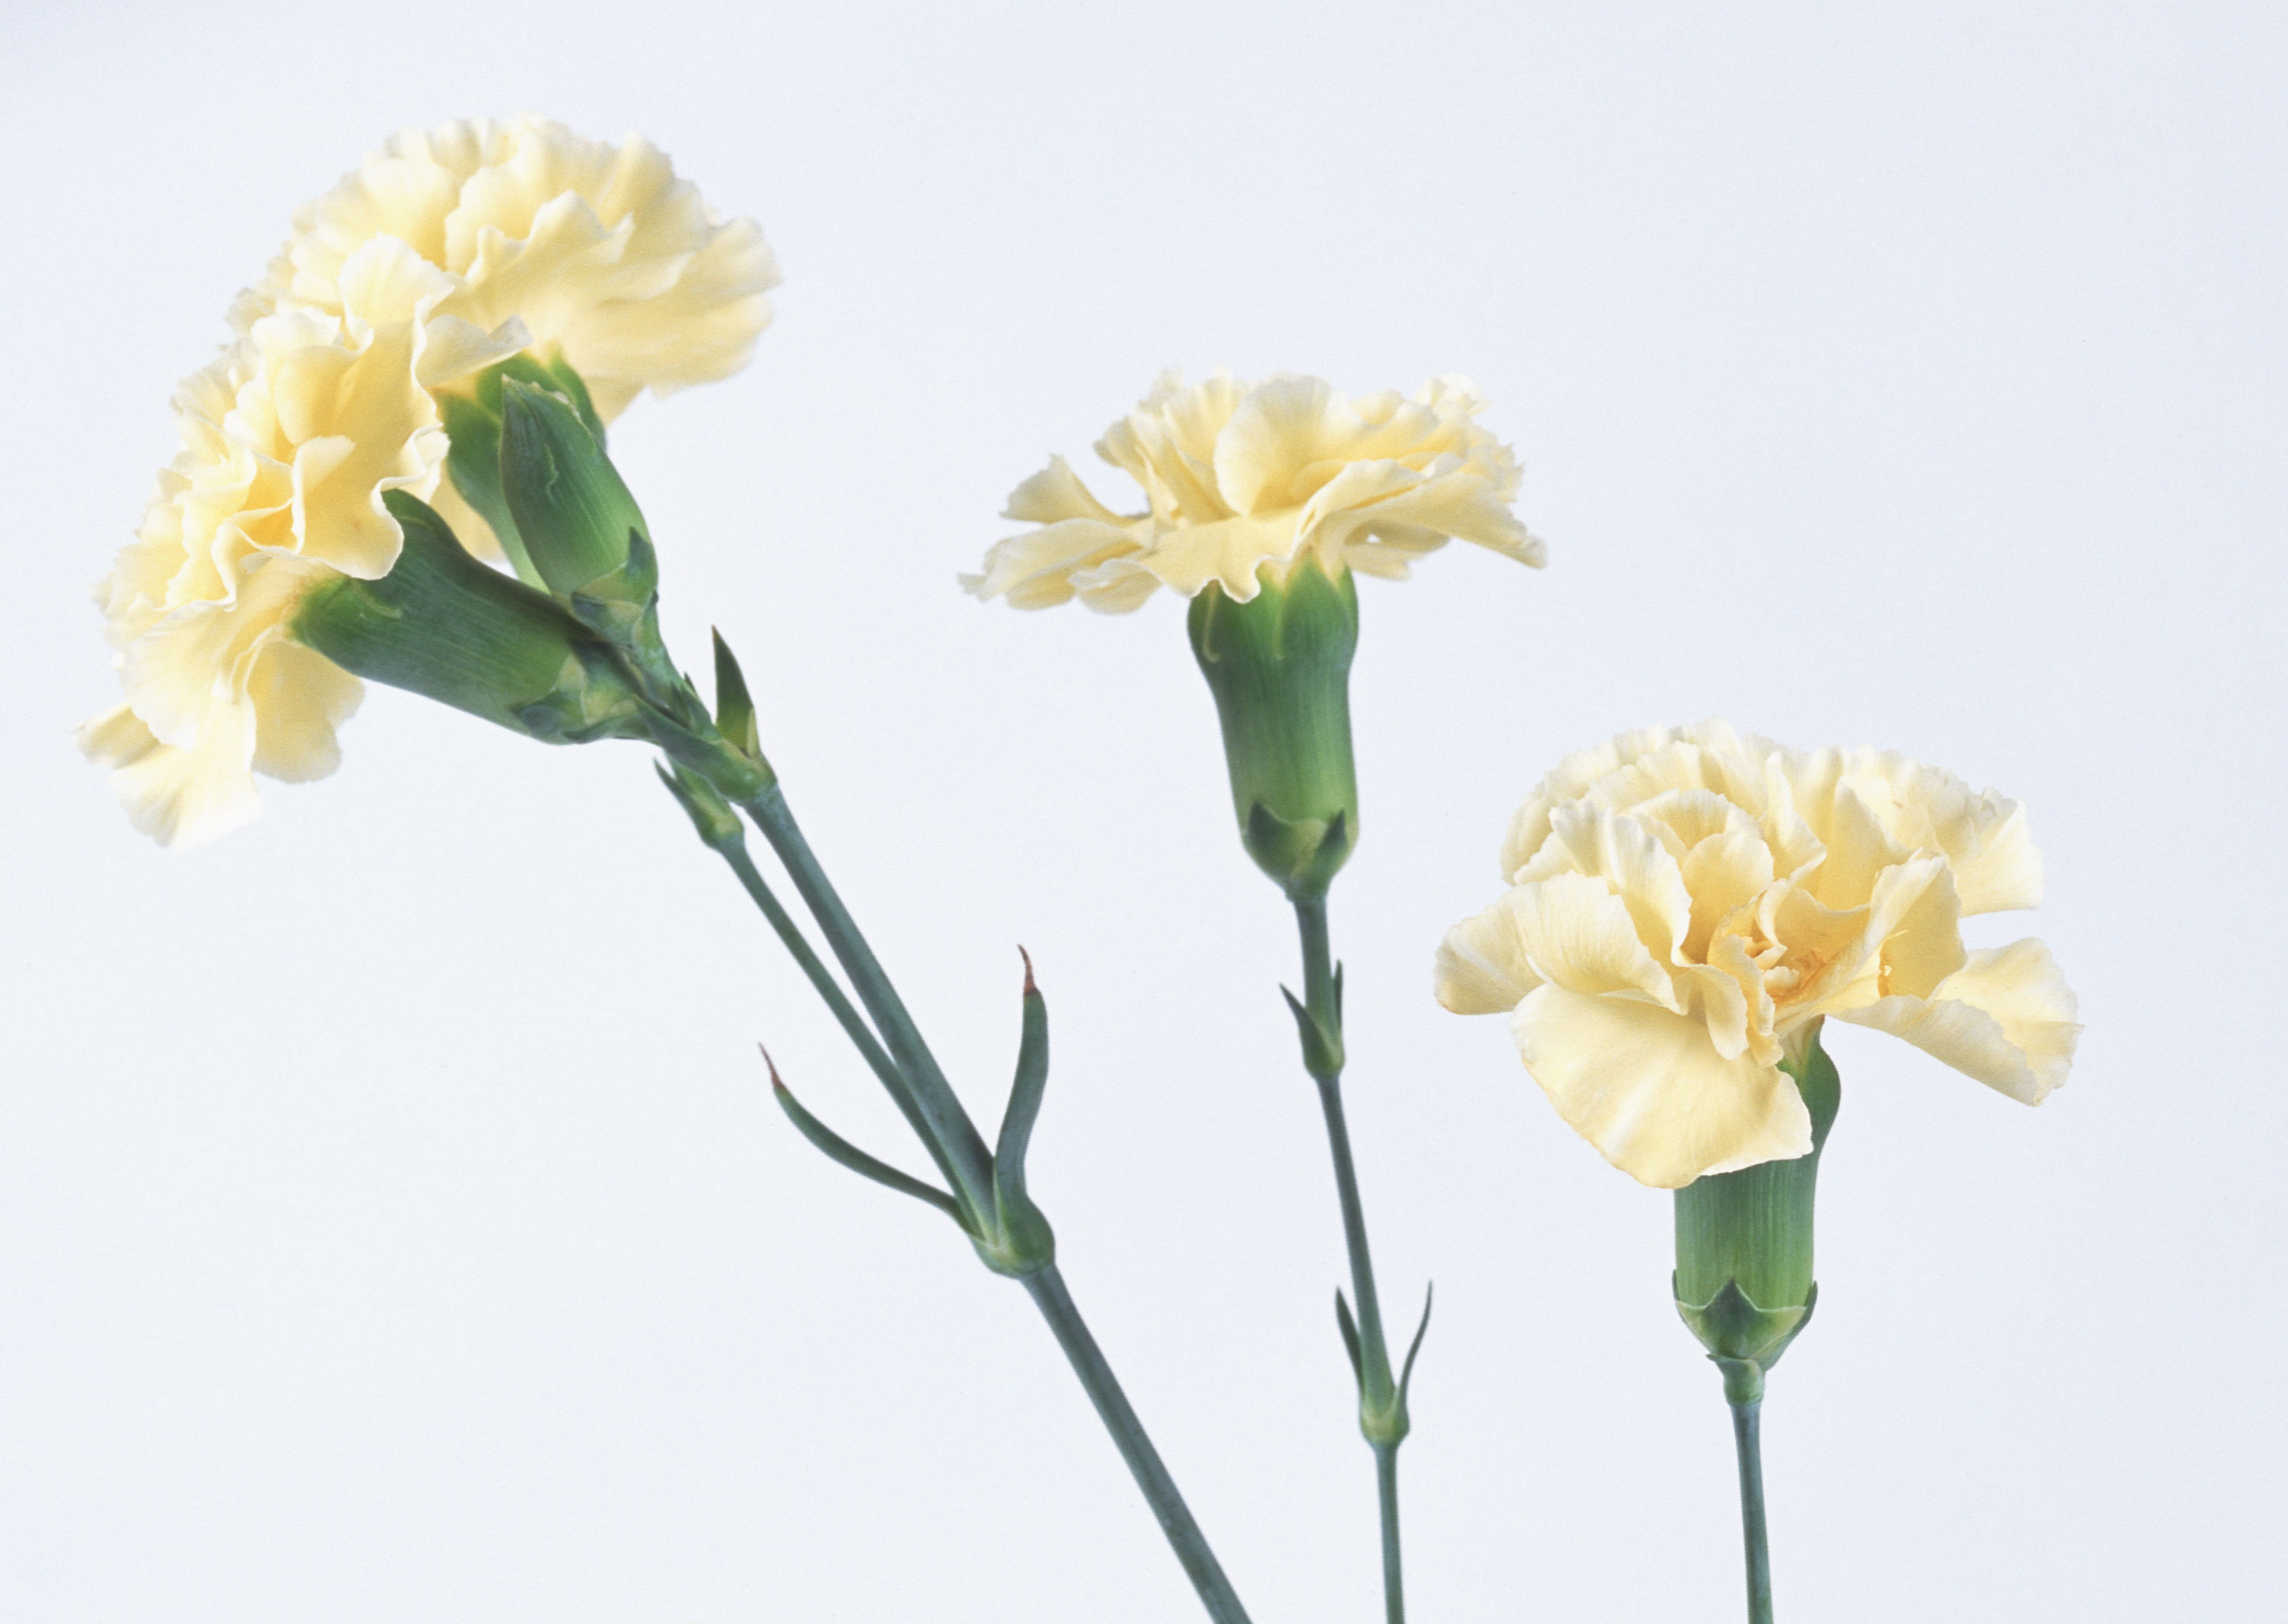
(2007, 1018)
(1647, 1088)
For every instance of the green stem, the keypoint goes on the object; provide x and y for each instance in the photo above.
(968, 1163)
(1049, 1295)
(852, 1024)
(945, 1127)
(1386, 1478)
(1382, 1406)
(1747, 1435)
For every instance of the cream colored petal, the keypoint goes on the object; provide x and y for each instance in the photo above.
(2007, 1018)
(1985, 836)
(469, 527)
(1365, 497)
(1284, 430)
(1577, 934)
(300, 698)
(1585, 838)
(1117, 586)
(1034, 570)
(452, 349)
(1482, 966)
(1647, 1088)
(1723, 872)
(1922, 944)
(1228, 551)
(179, 796)
(1858, 850)
(1056, 492)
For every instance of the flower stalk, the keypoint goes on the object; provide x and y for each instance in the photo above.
(1383, 1418)
(1745, 1285)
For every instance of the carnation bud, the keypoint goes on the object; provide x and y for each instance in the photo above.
(1744, 1242)
(573, 513)
(442, 624)
(1279, 667)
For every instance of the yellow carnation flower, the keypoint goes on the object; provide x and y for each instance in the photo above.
(452, 250)
(598, 252)
(290, 438)
(1238, 476)
(1684, 903)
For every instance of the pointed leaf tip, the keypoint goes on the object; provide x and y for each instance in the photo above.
(1348, 1326)
(1029, 988)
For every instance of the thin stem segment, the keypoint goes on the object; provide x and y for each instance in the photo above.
(1049, 1295)
(1747, 1436)
(1382, 1400)
(852, 1024)
(911, 1073)
(948, 1127)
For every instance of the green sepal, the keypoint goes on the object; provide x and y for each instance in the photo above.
(710, 813)
(1414, 1348)
(734, 708)
(839, 1149)
(1303, 857)
(1021, 1241)
(1323, 1049)
(622, 604)
(572, 509)
(1744, 1282)
(1279, 668)
(443, 625)
(1732, 1326)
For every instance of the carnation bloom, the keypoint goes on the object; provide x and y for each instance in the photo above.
(1684, 903)
(600, 252)
(452, 250)
(290, 438)
(1240, 476)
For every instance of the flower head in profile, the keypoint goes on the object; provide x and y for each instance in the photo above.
(288, 439)
(1685, 904)
(454, 249)
(1239, 478)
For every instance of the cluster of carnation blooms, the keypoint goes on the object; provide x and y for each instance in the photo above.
(1682, 910)
(449, 251)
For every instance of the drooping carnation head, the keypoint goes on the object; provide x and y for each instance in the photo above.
(290, 438)
(1684, 902)
(1240, 476)
(451, 251)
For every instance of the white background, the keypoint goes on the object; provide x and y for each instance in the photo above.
(394, 1224)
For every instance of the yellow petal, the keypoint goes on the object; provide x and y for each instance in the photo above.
(1587, 839)
(1647, 1088)
(1056, 492)
(1034, 570)
(1482, 968)
(2007, 1018)
(1578, 935)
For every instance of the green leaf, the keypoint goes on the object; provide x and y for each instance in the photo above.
(1348, 1326)
(1322, 1050)
(1406, 1372)
(1032, 1081)
(839, 1149)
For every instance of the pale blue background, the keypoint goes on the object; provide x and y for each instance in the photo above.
(393, 1223)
